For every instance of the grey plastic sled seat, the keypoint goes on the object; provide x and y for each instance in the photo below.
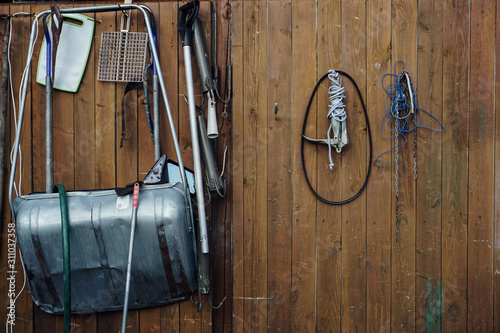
(164, 268)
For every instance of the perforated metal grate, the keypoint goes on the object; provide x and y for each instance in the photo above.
(122, 56)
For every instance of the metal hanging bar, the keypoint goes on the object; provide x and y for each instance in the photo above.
(94, 9)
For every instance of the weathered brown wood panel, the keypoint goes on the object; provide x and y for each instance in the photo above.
(303, 267)
(428, 288)
(87, 129)
(379, 195)
(455, 164)
(328, 235)
(289, 262)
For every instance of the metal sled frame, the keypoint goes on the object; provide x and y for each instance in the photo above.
(158, 81)
(97, 9)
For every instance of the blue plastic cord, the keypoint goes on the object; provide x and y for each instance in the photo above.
(155, 71)
(48, 52)
(398, 104)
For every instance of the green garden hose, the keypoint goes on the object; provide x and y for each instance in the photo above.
(63, 201)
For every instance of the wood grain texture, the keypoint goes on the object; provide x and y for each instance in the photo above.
(404, 28)
(328, 238)
(454, 168)
(19, 52)
(429, 81)
(255, 167)
(85, 153)
(481, 167)
(496, 228)
(303, 250)
(354, 168)
(237, 137)
(291, 262)
(222, 319)
(379, 193)
(279, 209)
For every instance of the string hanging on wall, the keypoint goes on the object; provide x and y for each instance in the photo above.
(402, 116)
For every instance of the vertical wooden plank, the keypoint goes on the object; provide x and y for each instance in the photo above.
(18, 55)
(224, 222)
(404, 34)
(105, 108)
(354, 168)
(454, 166)
(83, 103)
(238, 249)
(221, 220)
(166, 23)
(496, 227)
(303, 298)
(429, 313)
(255, 166)
(38, 117)
(378, 192)
(206, 27)
(328, 237)
(168, 49)
(85, 151)
(279, 194)
(6, 216)
(108, 129)
(481, 172)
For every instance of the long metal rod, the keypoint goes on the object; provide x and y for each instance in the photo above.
(48, 133)
(156, 117)
(195, 145)
(135, 201)
(22, 104)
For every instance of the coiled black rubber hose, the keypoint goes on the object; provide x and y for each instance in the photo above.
(304, 125)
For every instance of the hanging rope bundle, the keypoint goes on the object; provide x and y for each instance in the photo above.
(402, 116)
(336, 106)
(304, 138)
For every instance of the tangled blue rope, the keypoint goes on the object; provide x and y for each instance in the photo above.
(400, 103)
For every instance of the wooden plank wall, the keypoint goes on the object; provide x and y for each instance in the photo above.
(291, 262)
(87, 131)
(303, 266)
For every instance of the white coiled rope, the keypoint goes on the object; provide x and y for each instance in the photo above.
(336, 106)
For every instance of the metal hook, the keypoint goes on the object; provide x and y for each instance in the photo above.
(215, 307)
(197, 305)
(123, 10)
(94, 20)
(198, 107)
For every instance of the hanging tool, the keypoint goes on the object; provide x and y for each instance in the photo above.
(122, 55)
(76, 36)
(52, 43)
(212, 177)
(135, 203)
(207, 82)
(187, 17)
